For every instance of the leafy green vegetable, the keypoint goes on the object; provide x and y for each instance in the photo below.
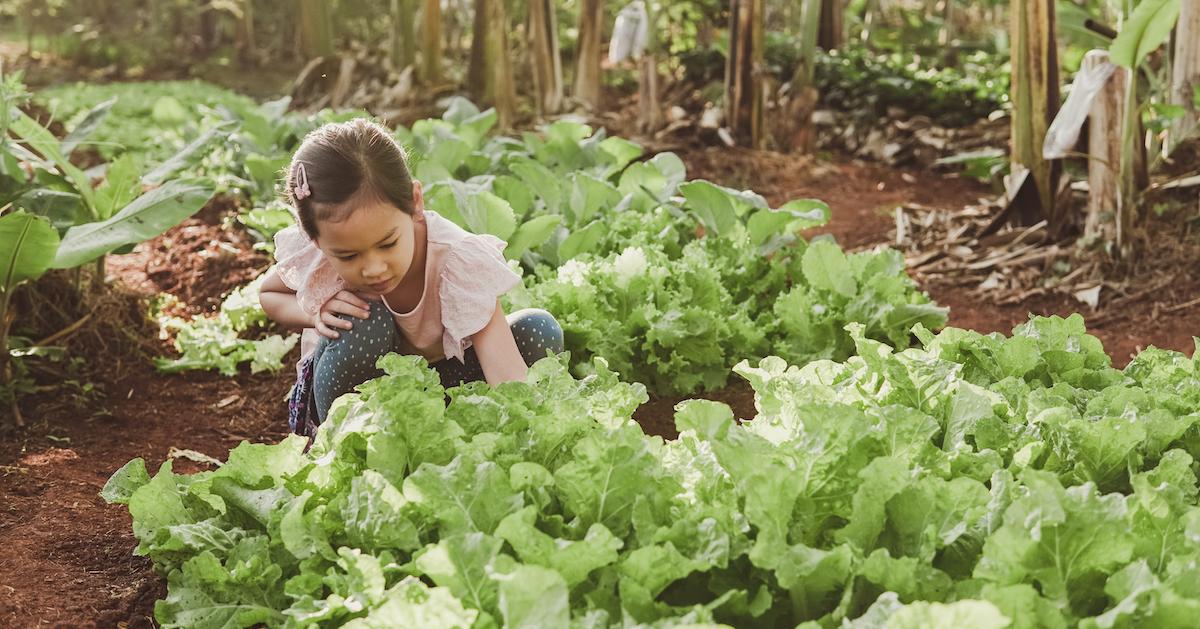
(215, 342)
(541, 503)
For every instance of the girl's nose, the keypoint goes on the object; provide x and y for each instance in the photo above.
(374, 269)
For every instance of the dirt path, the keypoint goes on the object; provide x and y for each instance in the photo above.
(66, 557)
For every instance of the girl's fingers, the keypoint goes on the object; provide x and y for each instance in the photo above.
(324, 331)
(349, 308)
(333, 321)
(353, 299)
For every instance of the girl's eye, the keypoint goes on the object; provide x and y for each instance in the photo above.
(390, 244)
(347, 258)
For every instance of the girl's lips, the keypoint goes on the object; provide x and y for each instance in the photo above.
(380, 287)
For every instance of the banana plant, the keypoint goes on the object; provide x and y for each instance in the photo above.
(52, 217)
(1148, 26)
(27, 247)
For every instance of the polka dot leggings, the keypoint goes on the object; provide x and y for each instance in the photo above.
(343, 363)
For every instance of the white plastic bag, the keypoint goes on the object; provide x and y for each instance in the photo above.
(630, 33)
(1064, 131)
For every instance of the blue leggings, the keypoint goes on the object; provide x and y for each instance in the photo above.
(343, 363)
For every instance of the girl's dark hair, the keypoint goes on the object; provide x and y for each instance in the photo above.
(346, 164)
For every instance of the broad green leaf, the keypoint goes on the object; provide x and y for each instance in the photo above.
(793, 215)
(64, 209)
(975, 614)
(465, 495)
(411, 603)
(168, 111)
(622, 152)
(711, 204)
(591, 197)
(27, 247)
(710, 420)
(372, 515)
(1058, 537)
(187, 155)
(531, 235)
(148, 216)
(120, 186)
(607, 473)
(42, 141)
(516, 192)
(124, 482)
(85, 127)
(826, 268)
(581, 241)
(573, 559)
(486, 213)
(463, 564)
(541, 182)
(1146, 29)
(532, 597)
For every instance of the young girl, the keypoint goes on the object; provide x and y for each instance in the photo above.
(370, 271)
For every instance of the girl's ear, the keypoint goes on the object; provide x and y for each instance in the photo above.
(418, 200)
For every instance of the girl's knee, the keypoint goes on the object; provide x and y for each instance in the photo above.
(365, 341)
(537, 333)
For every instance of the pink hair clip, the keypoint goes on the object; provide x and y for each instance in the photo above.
(301, 189)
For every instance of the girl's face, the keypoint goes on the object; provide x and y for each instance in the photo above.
(373, 248)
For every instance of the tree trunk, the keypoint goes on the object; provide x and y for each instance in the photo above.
(794, 126)
(1106, 219)
(544, 55)
(476, 67)
(431, 51)
(587, 68)
(403, 39)
(832, 24)
(316, 30)
(490, 72)
(1186, 70)
(650, 115)
(208, 30)
(1035, 101)
(743, 73)
(246, 45)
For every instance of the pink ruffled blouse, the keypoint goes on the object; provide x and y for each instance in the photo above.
(464, 275)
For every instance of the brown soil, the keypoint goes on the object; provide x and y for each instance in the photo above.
(198, 262)
(66, 557)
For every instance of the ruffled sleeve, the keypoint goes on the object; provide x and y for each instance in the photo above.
(303, 268)
(474, 276)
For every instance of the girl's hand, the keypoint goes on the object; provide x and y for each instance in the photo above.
(344, 302)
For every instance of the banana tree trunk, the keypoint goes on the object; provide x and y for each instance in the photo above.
(587, 63)
(247, 45)
(1035, 102)
(1107, 218)
(316, 30)
(832, 24)
(650, 115)
(403, 39)
(545, 57)
(1186, 70)
(431, 50)
(743, 73)
(490, 73)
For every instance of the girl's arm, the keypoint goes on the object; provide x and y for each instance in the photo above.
(280, 303)
(497, 350)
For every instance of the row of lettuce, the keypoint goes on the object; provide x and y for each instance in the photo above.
(671, 281)
(972, 481)
(982, 481)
